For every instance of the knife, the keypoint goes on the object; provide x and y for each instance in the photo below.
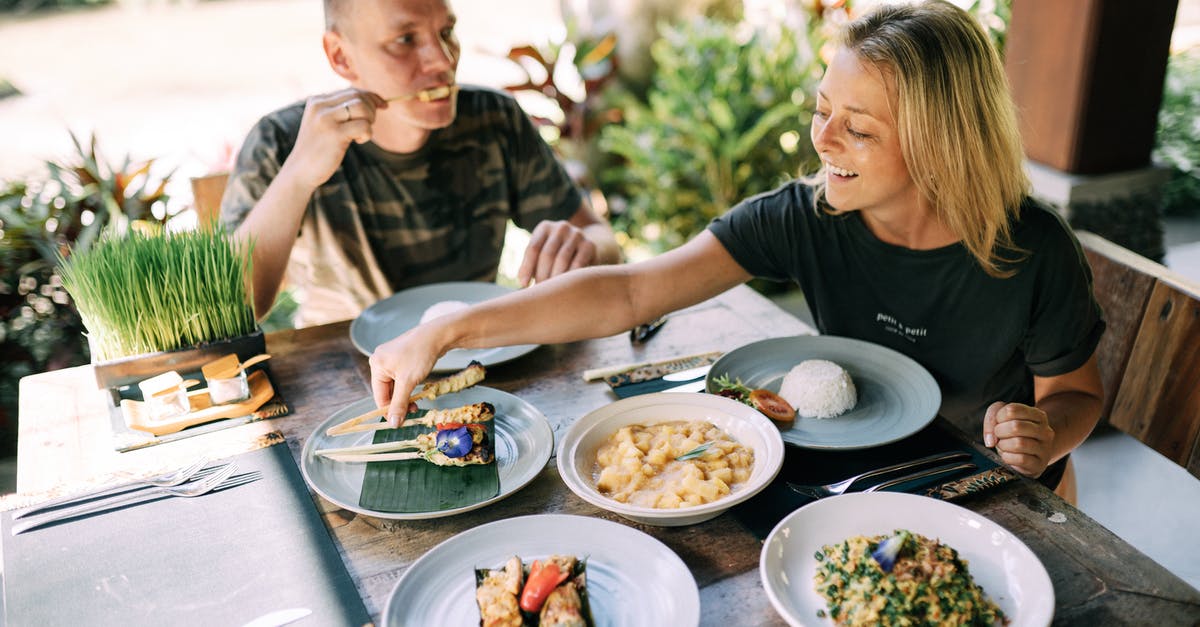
(694, 386)
(687, 375)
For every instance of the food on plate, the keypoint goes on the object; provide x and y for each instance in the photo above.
(902, 579)
(547, 592)
(819, 388)
(669, 465)
(457, 382)
(459, 438)
(439, 309)
(768, 403)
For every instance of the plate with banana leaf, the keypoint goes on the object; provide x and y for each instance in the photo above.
(424, 469)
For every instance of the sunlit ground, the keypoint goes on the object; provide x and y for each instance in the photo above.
(183, 81)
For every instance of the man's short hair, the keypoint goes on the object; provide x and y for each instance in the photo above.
(335, 10)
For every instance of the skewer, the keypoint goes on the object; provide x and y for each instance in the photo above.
(426, 443)
(457, 382)
(428, 95)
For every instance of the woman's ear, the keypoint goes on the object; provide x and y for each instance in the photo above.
(335, 52)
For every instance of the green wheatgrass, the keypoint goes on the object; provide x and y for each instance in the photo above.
(144, 293)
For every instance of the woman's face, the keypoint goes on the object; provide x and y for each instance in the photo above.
(854, 133)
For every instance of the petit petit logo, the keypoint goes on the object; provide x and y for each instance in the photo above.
(892, 325)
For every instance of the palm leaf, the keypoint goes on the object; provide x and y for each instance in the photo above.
(414, 485)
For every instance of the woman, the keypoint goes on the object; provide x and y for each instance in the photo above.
(917, 234)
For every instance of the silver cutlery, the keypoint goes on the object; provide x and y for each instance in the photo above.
(279, 617)
(173, 478)
(694, 386)
(643, 332)
(219, 480)
(839, 487)
(923, 474)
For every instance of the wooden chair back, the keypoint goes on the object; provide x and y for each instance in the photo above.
(1148, 358)
(206, 196)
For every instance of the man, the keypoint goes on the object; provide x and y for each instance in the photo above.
(403, 178)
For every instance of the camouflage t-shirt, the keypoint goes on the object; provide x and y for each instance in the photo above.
(388, 221)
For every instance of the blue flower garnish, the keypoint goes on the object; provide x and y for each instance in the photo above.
(454, 442)
(888, 550)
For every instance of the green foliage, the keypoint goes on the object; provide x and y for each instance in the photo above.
(41, 219)
(150, 293)
(1178, 140)
(726, 117)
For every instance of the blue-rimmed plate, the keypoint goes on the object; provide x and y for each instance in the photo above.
(1009, 573)
(896, 396)
(524, 443)
(402, 311)
(632, 578)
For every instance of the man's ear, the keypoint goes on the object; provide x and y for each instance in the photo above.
(335, 52)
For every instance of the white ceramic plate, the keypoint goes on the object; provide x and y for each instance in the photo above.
(577, 452)
(1010, 574)
(632, 579)
(897, 397)
(524, 443)
(402, 311)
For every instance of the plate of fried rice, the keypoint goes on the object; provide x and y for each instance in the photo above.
(895, 396)
(890, 558)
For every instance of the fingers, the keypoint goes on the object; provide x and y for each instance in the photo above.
(1022, 436)
(388, 392)
(554, 248)
(989, 424)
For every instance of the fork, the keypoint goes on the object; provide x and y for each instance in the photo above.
(173, 478)
(195, 488)
(839, 487)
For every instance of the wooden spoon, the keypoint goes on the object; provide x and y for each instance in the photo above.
(232, 372)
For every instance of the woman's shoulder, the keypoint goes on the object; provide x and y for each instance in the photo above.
(1036, 220)
(794, 194)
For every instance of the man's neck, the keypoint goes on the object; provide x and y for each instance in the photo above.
(397, 136)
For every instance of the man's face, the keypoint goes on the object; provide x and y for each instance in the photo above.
(398, 48)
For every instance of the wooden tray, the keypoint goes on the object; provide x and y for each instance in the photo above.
(137, 414)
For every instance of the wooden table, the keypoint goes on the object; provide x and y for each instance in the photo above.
(65, 440)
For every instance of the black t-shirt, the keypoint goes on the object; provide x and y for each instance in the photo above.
(982, 338)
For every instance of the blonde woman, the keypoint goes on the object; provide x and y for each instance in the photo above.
(917, 234)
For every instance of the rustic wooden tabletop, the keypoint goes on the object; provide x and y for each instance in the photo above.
(66, 441)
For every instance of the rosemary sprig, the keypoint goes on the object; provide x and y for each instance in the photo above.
(694, 453)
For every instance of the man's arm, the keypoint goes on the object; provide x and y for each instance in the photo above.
(330, 123)
(557, 246)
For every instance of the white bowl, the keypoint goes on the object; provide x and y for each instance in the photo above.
(577, 450)
(998, 561)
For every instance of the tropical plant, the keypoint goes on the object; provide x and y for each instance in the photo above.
(1178, 140)
(726, 116)
(41, 220)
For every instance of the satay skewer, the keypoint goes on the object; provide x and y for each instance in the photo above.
(428, 95)
(457, 382)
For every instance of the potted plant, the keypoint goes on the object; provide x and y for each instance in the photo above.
(154, 301)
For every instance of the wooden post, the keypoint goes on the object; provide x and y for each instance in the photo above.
(1087, 76)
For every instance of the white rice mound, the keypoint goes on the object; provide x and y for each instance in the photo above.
(819, 388)
(443, 308)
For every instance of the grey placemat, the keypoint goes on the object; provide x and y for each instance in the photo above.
(225, 558)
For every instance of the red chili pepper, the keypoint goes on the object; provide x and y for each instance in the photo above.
(543, 579)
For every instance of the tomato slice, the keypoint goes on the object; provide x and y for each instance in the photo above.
(772, 405)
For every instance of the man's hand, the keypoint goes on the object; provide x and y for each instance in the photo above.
(331, 121)
(1021, 434)
(555, 247)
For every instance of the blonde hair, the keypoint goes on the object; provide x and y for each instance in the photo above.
(955, 117)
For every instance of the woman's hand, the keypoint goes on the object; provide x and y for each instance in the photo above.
(398, 365)
(1022, 435)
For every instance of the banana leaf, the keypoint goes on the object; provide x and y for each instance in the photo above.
(414, 485)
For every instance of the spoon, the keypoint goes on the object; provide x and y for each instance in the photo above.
(232, 372)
